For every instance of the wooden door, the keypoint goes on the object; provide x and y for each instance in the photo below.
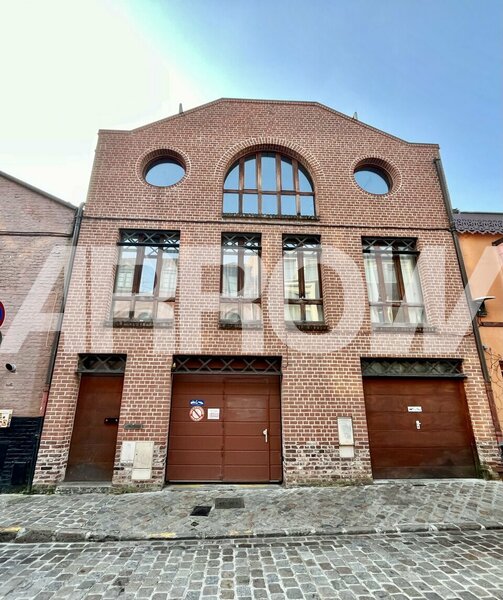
(419, 428)
(238, 439)
(94, 437)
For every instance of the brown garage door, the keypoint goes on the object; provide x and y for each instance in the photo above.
(436, 442)
(94, 437)
(238, 438)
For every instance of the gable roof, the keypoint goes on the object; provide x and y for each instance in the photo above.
(258, 101)
(479, 222)
(37, 190)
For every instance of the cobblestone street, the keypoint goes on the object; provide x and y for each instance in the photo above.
(438, 566)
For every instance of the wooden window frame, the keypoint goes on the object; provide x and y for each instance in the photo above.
(141, 239)
(244, 241)
(395, 247)
(296, 192)
(300, 245)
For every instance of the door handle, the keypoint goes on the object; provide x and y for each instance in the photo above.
(111, 420)
(265, 433)
(418, 424)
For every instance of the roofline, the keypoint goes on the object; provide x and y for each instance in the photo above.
(261, 101)
(37, 190)
(478, 212)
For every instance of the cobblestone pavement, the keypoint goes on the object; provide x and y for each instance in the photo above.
(439, 566)
(268, 510)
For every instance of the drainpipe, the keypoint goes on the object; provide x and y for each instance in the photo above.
(464, 278)
(52, 360)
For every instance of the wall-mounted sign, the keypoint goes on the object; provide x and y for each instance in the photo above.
(345, 427)
(196, 402)
(5, 417)
(213, 414)
(196, 413)
(133, 426)
(415, 408)
(2, 314)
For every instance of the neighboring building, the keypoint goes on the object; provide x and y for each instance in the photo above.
(245, 307)
(34, 226)
(481, 239)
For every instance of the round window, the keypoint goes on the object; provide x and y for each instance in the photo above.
(164, 172)
(373, 179)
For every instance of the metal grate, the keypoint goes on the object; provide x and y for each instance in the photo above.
(223, 503)
(149, 237)
(246, 240)
(103, 364)
(200, 511)
(381, 244)
(411, 367)
(294, 242)
(258, 365)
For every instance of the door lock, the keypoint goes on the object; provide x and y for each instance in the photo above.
(265, 433)
(418, 424)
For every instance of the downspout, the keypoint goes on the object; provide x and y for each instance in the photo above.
(52, 360)
(464, 278)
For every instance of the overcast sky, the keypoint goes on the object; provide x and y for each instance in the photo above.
(424, 70)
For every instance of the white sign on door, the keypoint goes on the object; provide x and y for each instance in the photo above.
(213, 414)
(415, 408)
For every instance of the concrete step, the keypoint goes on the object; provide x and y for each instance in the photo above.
(83, 487)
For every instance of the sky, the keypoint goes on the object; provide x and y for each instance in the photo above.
(423, 70)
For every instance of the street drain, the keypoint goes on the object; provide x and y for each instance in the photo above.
(200, 511)
(230, 502)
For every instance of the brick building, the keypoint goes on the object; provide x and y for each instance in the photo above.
(35, 232)
(481, 240)
(265, 291)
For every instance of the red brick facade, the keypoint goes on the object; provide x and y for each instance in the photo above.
(32, 225)
(320, 380)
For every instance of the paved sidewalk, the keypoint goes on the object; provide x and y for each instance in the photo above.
(383, 507)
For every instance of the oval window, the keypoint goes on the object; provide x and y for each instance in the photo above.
(164, 172)
(373, 180)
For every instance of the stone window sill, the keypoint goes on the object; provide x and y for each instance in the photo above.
(270, 217)
(404, 329)
(227, 325)
(301, 326)
(131, 324)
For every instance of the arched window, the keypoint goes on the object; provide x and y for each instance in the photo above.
(269, 184)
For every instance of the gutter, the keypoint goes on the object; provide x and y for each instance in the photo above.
(464, 278)
(52, 361)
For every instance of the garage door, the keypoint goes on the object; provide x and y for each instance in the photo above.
(418, 428)
(225, 428)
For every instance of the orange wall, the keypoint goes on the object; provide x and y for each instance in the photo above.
(482, 259)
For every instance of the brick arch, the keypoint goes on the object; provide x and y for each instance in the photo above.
(273, 144)
(159, 151)
(383, 163)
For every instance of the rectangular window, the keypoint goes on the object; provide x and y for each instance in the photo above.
(393, 285)
(240, 279)
(302, 280)
(145, 281)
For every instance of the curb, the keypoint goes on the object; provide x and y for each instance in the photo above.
(34, 535)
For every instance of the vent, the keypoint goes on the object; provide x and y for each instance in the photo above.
(411, 367)
(254, 365)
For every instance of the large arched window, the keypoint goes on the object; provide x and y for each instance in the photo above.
(270, 184)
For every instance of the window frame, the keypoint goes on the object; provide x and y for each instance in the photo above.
(240, 299)
(146, 238)
(240, 191)
(300, 245)
(379, 247)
